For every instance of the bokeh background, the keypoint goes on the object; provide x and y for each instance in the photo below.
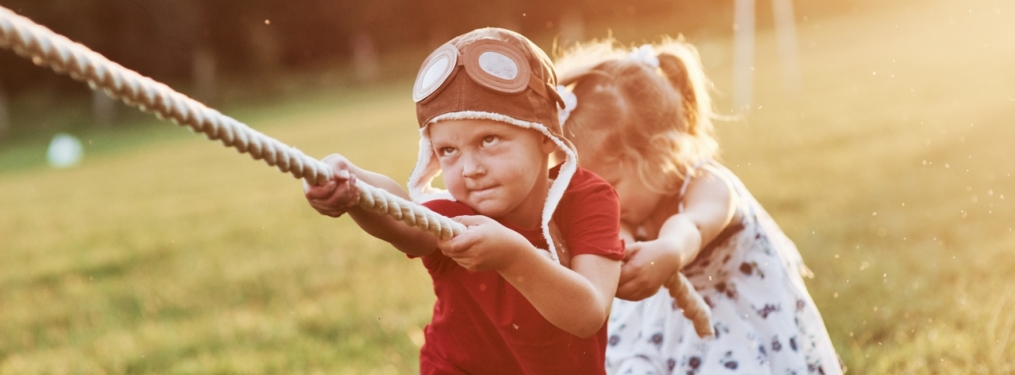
(161, 253)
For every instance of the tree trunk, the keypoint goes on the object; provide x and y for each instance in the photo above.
(5, 118)
(364, 57)
(203, 71)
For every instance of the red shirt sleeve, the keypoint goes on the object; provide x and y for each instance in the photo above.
(449, 208)
(590, 217)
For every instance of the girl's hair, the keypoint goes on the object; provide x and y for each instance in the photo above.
(660, 118)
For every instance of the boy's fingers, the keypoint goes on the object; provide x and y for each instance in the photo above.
(323, 191)
(630, 249)
(340, 165)
(471, 221)
(353, 191)
(451, 247)
(446, 246)
(458, 245)
(333, 159)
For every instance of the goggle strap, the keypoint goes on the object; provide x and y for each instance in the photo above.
(540, 87)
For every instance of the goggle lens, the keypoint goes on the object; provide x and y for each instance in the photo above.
(435, 71)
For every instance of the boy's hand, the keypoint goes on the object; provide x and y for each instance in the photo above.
(485, 245)
(339, 194)
(647, 265)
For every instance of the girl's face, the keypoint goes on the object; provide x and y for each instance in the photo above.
(637, 201)
(497, 169)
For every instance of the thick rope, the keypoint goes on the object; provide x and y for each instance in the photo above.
(46, 48)
(691, 304)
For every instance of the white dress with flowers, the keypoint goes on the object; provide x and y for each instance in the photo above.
(764, 319)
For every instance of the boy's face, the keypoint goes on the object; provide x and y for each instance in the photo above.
(497, 169)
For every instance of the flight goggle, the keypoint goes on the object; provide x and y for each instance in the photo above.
(490, 63)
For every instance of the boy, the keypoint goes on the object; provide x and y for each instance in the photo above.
(486, 106)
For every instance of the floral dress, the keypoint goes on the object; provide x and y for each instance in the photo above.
(765, 321)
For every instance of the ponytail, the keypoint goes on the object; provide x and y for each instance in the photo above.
(676, 73)
(681, 66)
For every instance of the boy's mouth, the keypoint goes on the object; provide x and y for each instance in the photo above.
(482, 190)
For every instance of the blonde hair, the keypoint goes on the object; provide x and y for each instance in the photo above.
(660, 118)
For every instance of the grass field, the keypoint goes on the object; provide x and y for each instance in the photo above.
(169, 254)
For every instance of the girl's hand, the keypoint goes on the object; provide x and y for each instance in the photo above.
(647, 265)
(339, 194)
(485, 245)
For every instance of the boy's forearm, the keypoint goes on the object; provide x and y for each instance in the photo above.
(566, 298)
(380, 181)
(403, 237)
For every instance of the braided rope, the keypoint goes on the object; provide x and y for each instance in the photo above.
(691, 304)
(46, 48)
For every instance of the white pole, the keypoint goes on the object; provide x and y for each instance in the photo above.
(743, 54)
(785, 39)
(103, 108)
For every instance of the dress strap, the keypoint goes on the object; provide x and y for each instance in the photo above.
(687, 181)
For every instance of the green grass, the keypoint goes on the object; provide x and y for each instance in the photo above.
(169, 254)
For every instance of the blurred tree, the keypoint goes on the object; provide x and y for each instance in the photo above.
(5, 118)
(197, 42)
(364, 57)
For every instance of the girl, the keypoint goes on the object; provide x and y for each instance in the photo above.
(642, 122)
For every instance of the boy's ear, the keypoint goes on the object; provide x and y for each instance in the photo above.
(549, 146)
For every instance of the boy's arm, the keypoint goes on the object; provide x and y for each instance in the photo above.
(576, 300)
(340, 196)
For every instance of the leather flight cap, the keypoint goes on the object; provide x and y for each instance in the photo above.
(499, 72)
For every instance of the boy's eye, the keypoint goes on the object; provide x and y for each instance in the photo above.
(490, 140)
(446, 151)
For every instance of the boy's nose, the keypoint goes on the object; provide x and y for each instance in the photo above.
(472, 168)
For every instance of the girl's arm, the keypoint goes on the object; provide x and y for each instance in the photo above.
(576, 300)
(340, 196)
(709, 206)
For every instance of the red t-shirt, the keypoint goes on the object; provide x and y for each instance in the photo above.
(482, 325)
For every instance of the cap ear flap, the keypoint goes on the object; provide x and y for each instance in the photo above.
(435, 72)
